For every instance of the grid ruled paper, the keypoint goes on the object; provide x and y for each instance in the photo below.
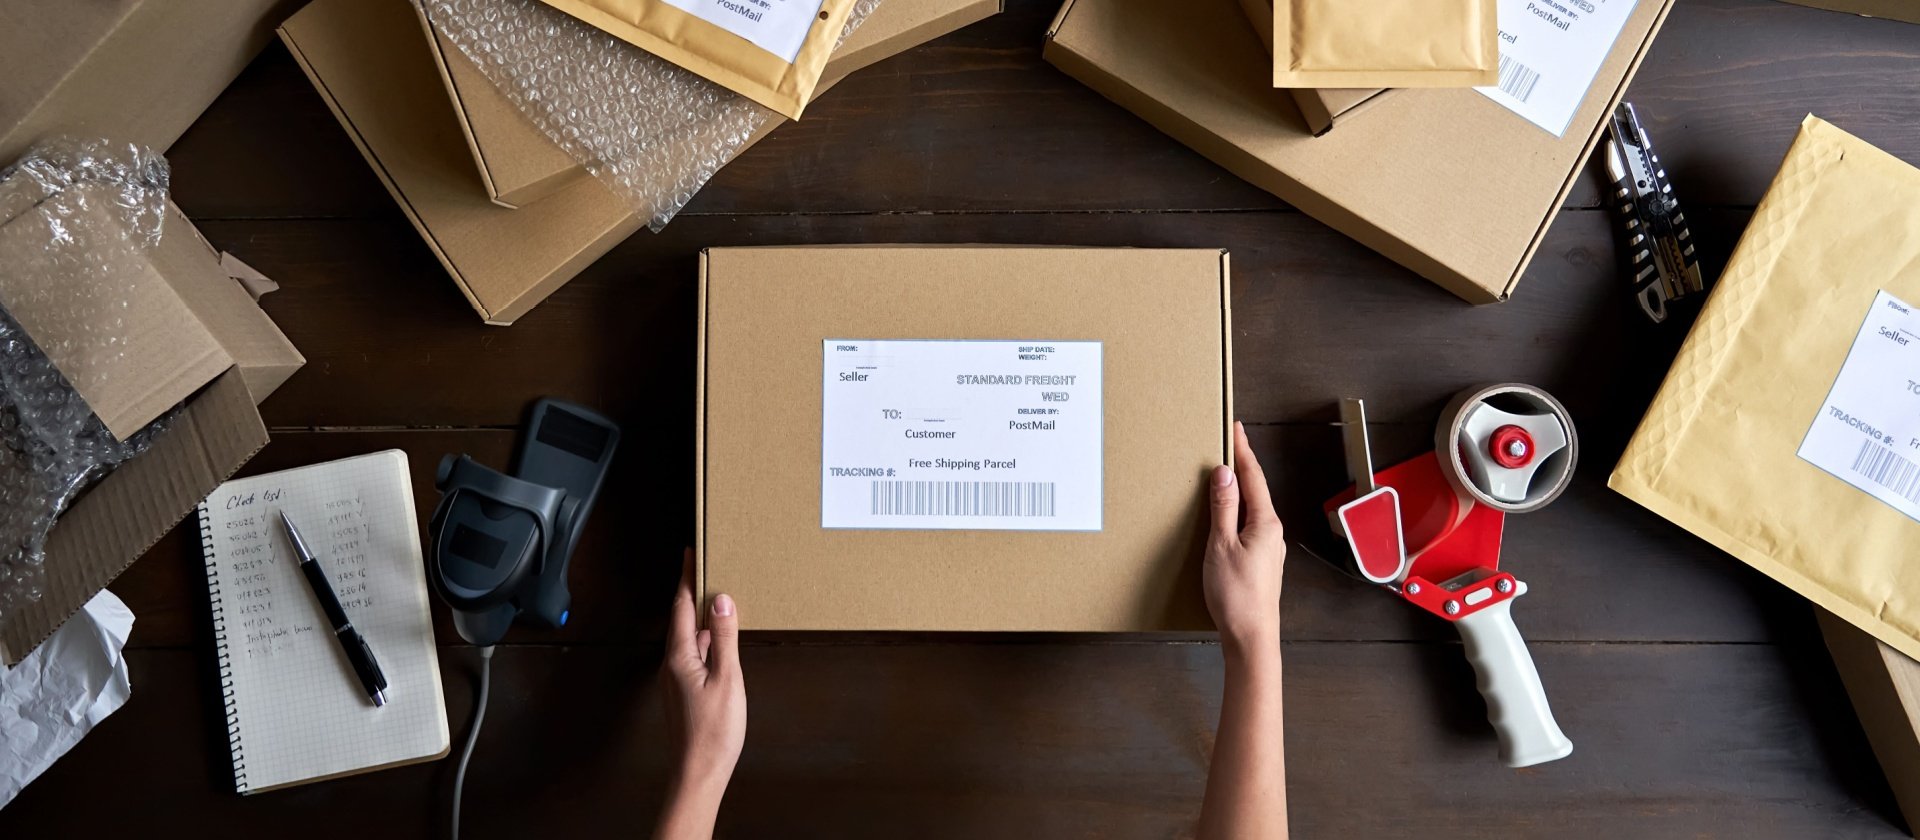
(296, 711)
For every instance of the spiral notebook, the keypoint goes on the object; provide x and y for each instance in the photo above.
(295, 711)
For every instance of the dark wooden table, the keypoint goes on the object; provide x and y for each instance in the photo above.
(1698, 693)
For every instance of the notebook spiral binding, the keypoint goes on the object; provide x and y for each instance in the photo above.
(223, 655)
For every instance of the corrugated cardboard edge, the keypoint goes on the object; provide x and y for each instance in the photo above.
(1695, 371)
(386, 178)
(1252, 170)
(1884, 686)
(126, 497)
(1226, 354)
(700, 441)
(1321, 117)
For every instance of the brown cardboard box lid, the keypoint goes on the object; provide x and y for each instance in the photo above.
(131, 70)
(1445, 182)
(373, 66)
(111, 323)
(519, 164)
(1163, 319)
(114, 523)
(1903, 10)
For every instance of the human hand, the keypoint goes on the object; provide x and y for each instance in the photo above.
(706, 701)
(1245, 551)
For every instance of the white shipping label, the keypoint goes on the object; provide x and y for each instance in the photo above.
(1550, 50)
(777, 26)
(952, 435)
(1867, 434)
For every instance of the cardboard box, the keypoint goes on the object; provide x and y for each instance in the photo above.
(519, 164)
(181, 293)
(371, 63)
(1446, 182)
(1884, 685)
(1903, 10)
(1162, 318)
(139, 71)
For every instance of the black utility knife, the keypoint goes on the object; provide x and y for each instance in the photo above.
(1657, 244)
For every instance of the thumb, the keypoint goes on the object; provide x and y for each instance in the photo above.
(1223, 494)
(724, 622)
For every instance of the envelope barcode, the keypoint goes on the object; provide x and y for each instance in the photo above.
(1516, 79)
(963, 498)
(1886, 468)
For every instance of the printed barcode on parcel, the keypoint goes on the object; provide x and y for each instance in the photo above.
(1517, 80)
(1886, 468)
(963, 498)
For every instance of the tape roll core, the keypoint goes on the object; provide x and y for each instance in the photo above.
(1554, 474)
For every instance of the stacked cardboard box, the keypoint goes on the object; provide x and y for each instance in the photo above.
(1446, 182)
(425, 119)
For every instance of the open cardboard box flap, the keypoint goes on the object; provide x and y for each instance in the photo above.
(377, 72)
(179, 292)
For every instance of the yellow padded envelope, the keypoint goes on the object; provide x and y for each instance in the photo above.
(1788, 431)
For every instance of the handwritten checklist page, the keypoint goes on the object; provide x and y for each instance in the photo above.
(295, 710)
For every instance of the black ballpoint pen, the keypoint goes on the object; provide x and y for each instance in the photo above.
(350, 639)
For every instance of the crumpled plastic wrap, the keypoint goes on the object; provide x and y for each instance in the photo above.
(67, 206)
(651, 131)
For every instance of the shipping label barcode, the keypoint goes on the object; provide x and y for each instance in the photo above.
(1517, 80)
(963, 498)
(1887, 469)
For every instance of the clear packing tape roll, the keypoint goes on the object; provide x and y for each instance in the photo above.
(651, 131)
(68, 209)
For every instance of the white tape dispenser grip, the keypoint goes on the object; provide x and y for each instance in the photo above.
(1513, 448)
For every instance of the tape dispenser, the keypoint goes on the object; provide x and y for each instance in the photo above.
(1429, 530)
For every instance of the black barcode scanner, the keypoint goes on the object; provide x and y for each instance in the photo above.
(498, 545)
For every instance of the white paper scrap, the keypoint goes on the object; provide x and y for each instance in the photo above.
(57, 694)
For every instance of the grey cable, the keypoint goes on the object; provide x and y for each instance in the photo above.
(479, 717)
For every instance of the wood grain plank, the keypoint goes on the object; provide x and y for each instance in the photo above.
(1039, 740)
(977, 122)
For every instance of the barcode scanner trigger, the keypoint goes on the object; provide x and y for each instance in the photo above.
(498, 545)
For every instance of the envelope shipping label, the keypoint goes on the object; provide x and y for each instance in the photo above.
(962, 434)
(1867, 433)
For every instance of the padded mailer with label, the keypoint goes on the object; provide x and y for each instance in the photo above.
(1788, 431)
(770, 51)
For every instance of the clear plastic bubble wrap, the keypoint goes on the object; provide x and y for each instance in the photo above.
(651, 131)
(68, 208)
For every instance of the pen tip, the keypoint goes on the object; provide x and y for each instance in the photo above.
(380, 698)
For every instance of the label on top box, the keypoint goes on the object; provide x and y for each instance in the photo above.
(1550, 51)
(1867, 433)
(777, 26)
(961, 435)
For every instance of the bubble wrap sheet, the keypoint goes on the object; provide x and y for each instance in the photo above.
(651, 131)
(81, 207)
